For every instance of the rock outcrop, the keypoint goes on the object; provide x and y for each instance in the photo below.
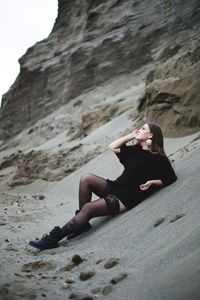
(172, 94)
(93, 43)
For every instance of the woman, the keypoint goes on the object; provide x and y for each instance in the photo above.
(146, 168)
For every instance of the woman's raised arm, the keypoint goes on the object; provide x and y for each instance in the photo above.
(115, 146)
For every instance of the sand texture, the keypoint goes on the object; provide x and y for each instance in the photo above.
(144, 261)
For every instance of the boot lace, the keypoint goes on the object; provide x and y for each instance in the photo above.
(51, 235)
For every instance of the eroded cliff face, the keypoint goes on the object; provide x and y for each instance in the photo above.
(172, 94)
(94, 42)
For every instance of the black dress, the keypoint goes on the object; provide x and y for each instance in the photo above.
(139, 166)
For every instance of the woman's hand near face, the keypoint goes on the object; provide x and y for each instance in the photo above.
(115, 146)
(133, 134)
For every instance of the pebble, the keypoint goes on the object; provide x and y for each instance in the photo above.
(77, 259)
(96, 290)
(40, 197)
(86, 275)
(118, 278)
(69, 280)
(111, 263)
(29, 275)
(66, 285)
(158, 222)
(107, 290)
(80, 296)
(176, 217)
(3, 223)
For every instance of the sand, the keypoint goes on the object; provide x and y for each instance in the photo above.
(154, 262)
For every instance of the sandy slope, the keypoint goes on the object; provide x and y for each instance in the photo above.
(160, 262)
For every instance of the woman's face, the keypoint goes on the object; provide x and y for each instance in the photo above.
(143, 133)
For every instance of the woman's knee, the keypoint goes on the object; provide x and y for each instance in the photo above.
(86, 178)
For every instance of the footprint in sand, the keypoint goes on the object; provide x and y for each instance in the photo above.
(105, 290)
(158, 222)
(111, 263)
(118, 278)
(176, 217)
(38, 265)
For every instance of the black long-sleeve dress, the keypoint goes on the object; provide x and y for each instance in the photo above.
(139, 166)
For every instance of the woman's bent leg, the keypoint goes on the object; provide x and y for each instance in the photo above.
(100, 207)
(89, 184)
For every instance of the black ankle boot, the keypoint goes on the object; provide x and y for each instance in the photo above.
(48, 241)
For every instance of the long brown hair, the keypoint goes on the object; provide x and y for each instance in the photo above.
(157, 139)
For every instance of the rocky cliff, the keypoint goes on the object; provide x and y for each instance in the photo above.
(95, 42)
(172, 93)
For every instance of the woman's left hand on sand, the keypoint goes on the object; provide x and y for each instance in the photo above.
(145, 186)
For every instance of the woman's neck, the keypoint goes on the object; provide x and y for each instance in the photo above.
(144, 146)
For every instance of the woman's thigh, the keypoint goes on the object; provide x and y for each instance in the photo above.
(96, 183)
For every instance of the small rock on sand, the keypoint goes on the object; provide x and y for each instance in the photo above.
(118, 278)
(111, 263)
(69, 280)
(77, 259)
(86, 275)
(96, 290)
(106, 290)
(80, 296)
(66, 285)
